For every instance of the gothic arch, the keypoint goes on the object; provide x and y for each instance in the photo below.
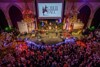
(96, 9)
(10, 5)
(96, 19)
(89, 5)
(15, 15)
(84, 14)
(3, 21)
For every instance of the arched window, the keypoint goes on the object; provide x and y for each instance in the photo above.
(3, 21)
(15, 15)
(84, 14)
(96, 19)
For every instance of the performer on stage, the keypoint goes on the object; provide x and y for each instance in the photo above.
(50, 26)
(56, 30)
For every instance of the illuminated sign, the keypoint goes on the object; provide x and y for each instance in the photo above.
(50, 10)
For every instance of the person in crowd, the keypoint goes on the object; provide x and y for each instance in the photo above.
(64, 55)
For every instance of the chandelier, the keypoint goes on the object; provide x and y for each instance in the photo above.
(28, 17)
(27, 13)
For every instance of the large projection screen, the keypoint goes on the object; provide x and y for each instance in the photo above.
(50, 10)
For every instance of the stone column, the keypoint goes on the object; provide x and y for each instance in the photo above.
(6, 12)
(90, 19)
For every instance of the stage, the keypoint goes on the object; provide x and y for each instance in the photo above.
(47, 37)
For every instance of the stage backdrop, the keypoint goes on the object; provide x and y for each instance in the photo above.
(51, 9)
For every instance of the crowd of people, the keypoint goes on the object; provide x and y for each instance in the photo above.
(64, 55)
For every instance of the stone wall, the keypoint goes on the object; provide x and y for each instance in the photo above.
(5, 6)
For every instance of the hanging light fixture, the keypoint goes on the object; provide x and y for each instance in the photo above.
(28, 17)
(27, 13)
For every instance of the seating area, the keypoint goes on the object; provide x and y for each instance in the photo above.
(49, 33)
(16, 53)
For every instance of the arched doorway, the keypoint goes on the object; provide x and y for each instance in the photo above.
(15, 15)
(84, 14)
(3, 21)
(96, 19)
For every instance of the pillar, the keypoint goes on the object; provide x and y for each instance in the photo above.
(90, 19)
(6, 12)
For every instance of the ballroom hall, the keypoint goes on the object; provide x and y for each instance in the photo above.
(49, 33)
